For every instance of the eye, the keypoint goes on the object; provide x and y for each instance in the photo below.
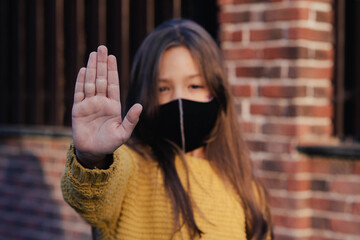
(196, 86)
(163, 89)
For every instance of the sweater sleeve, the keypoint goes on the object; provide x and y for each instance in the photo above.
(97, 194)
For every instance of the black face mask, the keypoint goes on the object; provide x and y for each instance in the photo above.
(187, 123)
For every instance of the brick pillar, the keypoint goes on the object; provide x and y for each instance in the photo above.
(280, 55)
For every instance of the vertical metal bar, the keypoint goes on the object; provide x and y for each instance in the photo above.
(357, 74)
(91, 25)
(340, 68)
(22, 62)
(176, 8)
(30, 103)
(60, 77)
(49, 61)
(40, 63)
(4, 62)
(81, 41)
(150, 15)
(125, 49)
(102, 22)
(163, 11)
(70, 54)
(16, 60)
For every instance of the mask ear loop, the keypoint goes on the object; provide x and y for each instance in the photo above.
(182, 124)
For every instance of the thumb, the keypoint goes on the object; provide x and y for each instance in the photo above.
(130, 120)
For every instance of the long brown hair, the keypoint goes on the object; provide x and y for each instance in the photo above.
(225, 148)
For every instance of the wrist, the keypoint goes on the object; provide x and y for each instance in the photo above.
(92, 161)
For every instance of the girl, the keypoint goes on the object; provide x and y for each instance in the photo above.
(180, 172)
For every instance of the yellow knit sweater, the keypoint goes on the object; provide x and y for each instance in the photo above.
(129, 201)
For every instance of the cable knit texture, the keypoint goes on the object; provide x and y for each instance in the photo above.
(129, 201)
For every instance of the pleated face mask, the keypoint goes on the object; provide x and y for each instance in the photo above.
(187, 123)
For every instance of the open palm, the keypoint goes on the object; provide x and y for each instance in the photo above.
(98, 128)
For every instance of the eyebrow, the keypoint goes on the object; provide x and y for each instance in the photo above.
(194, 75)
(188, 77)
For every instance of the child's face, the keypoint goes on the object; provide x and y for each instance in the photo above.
(179, 77)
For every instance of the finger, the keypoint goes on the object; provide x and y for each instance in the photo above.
(90, 75)
(113, 90)
(79, 93)
(101, 71)
(130, 121)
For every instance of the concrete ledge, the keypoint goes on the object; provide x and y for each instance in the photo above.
(346, 151)
(51, 131)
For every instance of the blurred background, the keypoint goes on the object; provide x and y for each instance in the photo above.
(294, 67)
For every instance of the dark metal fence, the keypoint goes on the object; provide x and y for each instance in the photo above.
(43, 44)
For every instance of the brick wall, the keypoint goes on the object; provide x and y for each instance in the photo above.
(31, 203)
(280, 58)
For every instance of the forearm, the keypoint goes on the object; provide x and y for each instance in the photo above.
(94, 193)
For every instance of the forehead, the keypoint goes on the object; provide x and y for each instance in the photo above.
(177, 60)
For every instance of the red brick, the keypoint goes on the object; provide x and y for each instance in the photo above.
(242, 90)
(324, 16)
(292, 185)
(274, 146)
(322, 130)
(311, 72)
(265, 34)
(344, 226)
(234, 17)
(289, 221)
(346, 187)
(288, 203)
(286, 53)
(268, 110)
(323, 92)
(273, 183)
(327, 204)
(240, 54)
(324, 1)
(310, 34)
(289, 167)
(320, 223)
(317, 237)
(319, 185)
(355, 208)
(285, 129)
(225, 35)
(298, 185)
(235, 36)
(356, 168)
(340, 166)
(249, 72)
(224, 2)
(248, 127)
(257, 72)
(276, 91)
(298, 167)
(297, 53)
(325, 111)
(324, 54)
(291, 111)
(286, 14)
(256, 146)
(320, 166)
(254, 1)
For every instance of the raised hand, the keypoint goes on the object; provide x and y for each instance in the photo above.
(96, 115)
